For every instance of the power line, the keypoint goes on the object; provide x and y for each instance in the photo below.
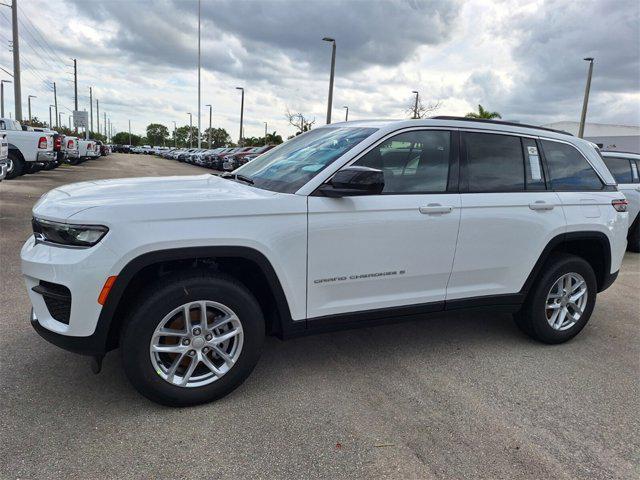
(37, 30)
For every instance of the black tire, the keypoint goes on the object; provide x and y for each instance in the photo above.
(633, 241)
(163, 297)
(17, 165)
(532, 318)
(31, 167)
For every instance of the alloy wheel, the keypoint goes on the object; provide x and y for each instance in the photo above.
(196, 344)
(566, 301)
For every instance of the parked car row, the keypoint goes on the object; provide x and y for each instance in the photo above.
(26, 149)
(221, 158)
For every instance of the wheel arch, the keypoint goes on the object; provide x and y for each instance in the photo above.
(248, 265)
(592, 246)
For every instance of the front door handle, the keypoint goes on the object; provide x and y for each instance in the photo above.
(541, 205)
(435, 208)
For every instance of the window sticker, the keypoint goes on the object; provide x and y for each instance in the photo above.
(634, 170)
(533, 151)
(534, 164)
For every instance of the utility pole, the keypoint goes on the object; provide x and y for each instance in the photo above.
(17, 87)
(190, 131)
(50, 119)
(97, 115)
(129, 132)
(199, 100)
(585, 102)
(241, 114)
(29, 102)
(55, 102)
(105, 124)
(75, 86)
(415, 107)
(91, 109)
(60, 120)
(175, 140)
(346, 113)
(333, 70)
(69, 122)
(2, 82)
(265, 133)
(210, 111)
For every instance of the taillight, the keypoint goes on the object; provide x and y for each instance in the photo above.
(70, 144)
(57, 143)
(620, 204)
(42, 143)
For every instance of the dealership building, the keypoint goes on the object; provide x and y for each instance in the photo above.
(624, 138)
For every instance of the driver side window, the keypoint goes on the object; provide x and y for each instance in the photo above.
(412, 162)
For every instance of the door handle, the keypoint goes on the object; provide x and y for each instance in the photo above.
(435, 208)
(541, 205)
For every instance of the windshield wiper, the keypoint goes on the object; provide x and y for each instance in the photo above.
(238, 176)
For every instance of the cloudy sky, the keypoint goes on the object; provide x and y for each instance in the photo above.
(521, 58)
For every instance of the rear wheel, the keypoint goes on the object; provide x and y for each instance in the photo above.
(633, 244)
(192, 338)
(15, 165)
(561, 302)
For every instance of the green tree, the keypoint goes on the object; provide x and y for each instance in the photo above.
(482, 113)
(182, 136)
(122, 138)
(219, 138)
(157, 134)
(273, 139)
(34, 122)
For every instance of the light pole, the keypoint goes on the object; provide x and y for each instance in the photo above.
(175, 141)
(190, 130)
(583, 117)
(265, 133)
(333, 70)
(210, 113)
(69, 122)
(346, 113)
(50, 119)
(199, 106)
(59, 120)
(129, 131)
(15, 47)
(415, 107)
(2, 82)
(241, 114)
(29, 102)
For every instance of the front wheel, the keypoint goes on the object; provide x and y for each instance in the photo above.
(192, 338)
(561, 301)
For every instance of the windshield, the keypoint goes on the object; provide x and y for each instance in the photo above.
(289, 166)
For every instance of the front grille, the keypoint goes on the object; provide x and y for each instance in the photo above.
(57, 298)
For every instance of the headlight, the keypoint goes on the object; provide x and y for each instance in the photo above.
(66, 234)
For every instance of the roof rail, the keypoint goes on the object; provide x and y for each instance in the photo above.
(499, 122)
(619, 151)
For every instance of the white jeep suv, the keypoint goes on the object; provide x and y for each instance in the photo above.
(625, 168)
(346, 225)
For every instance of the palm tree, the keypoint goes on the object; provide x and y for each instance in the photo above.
(482, 113)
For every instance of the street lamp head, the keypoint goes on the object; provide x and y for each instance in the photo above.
(329, 39)
(32, 96)
(588, 59)
(240, 88)
(414, 91)
(344, 106)
(209, 106)
(5, 81)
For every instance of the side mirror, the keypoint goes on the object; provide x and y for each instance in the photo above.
(352, 181)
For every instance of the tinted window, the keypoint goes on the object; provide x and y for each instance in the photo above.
(635, 170)
(412, 162)
(620, 168)
(494, 162)
(568, 169)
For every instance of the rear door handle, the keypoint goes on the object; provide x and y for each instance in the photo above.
(435, 208)
(541, 205)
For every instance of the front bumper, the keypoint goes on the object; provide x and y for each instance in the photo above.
(92, 345)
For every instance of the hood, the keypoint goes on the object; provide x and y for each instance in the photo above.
(130, 195)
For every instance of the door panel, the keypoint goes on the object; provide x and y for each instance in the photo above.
(379, 251)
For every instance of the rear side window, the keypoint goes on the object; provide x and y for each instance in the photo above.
(568, 169)
(635, 167)
(494, 162)
(620, 168)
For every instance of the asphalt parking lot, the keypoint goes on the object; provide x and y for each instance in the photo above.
(463, 396)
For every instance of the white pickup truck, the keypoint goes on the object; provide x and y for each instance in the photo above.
(87, 149)
(27, 149)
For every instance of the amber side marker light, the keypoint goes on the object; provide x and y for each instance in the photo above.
(102, 298)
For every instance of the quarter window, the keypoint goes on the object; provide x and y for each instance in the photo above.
(568, 169)
(412, 162)
(494, 162)
(620, 168)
